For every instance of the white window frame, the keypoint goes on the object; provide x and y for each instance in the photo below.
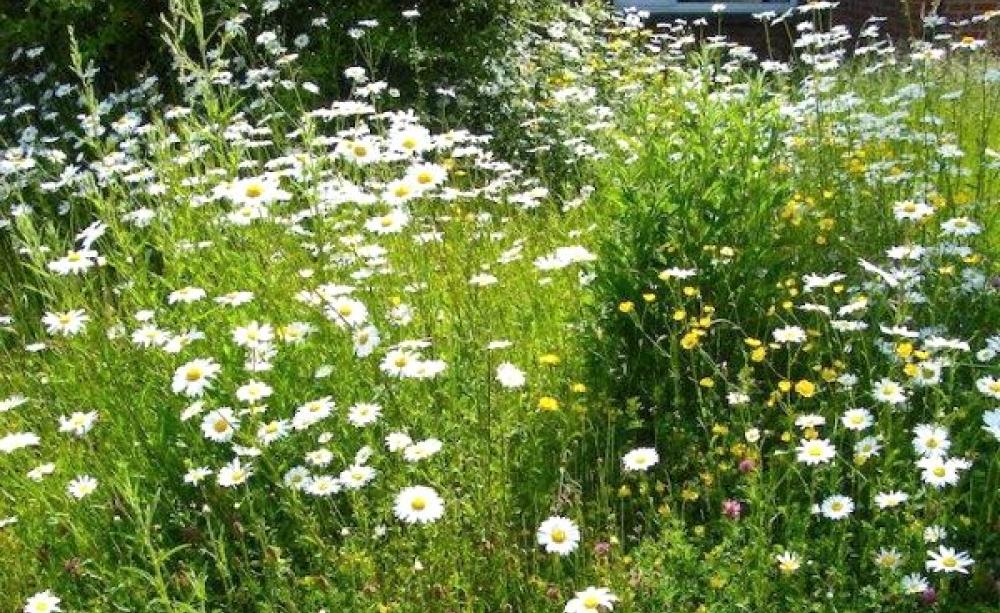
(681, 7)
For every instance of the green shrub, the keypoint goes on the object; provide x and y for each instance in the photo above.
(697, 189)
(136, 218)
(445, 45)
(746, 204)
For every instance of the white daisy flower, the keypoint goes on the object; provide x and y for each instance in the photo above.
(346, 312)
(79, 423)
(397, 441)
(186, 295)
(392, 222)
(18, 440)
(220, 425)
(357, 476)
(640, 459)
(990, 386)
(193, 378)
(255, 190)
(297, 478)
(948, 560)
(991, 423)
(43, 602)
(365, 339)
(81, 486)
(253, 392)
(12, 402)
(857, 419)
(889, 391)
(196, 475)
(815, 451)
(233, 474)
(558, 535)
(323, 485)
(65, 323)
(422, 450)
(510, 376)
(253, 335)
(889, 500)
(312, 412)
(930, 440)
(789, 334)
(939, 471)
(591, 600)
(363, 414)
(418, 505)
(271, 431)
(837, 507)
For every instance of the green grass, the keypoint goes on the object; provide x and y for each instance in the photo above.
(649, 161)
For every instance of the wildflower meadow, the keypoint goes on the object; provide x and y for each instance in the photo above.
(620, 316)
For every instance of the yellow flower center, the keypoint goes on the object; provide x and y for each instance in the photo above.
(193, 374)
(591, 602)
(418, 503)
(939, 471)
(558, 535)
(254, 190)
(220, 426)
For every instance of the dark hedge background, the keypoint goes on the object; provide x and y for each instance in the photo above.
(123, 36)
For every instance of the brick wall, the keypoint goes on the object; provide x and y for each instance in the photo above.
(853, 13)
(751, 33)
(903, 19)
(904, 16)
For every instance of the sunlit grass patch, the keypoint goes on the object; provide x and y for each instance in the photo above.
(691, 331)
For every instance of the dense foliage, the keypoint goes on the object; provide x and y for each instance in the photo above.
(679, 329)
(123, 37)
(795, 294)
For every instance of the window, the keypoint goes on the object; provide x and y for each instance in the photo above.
(700, 7)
